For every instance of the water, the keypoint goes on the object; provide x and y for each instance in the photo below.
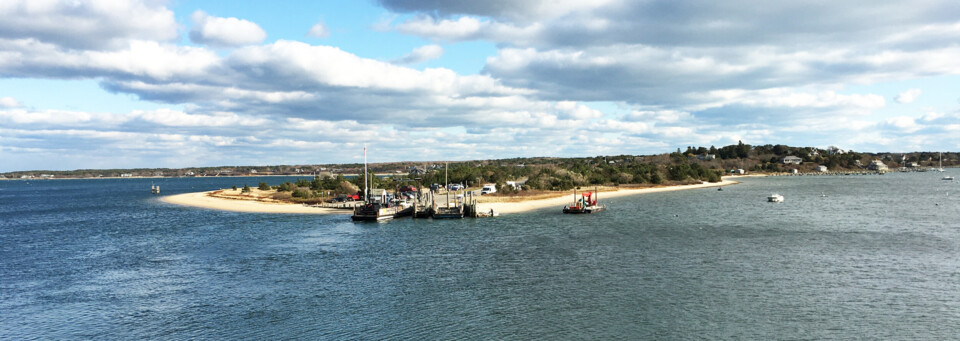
(876, 258)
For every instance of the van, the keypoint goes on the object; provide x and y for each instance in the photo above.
(488, 189)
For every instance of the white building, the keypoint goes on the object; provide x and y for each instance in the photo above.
(877, 165)
(790, 159)
(707, 157)
(821, 168)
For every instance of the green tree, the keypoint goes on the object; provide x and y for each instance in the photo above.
(264, 186)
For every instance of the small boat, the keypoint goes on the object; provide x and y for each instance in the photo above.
(375, 211)
(448, 212)
(586, 204)
(377, 206)
(948, 177)
(775, 198)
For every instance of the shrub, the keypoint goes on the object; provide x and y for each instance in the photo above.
(264, 186)
(246, 189)
(302, 193)
(285, 187)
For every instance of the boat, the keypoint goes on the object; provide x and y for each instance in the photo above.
(948, 177)
(940, 165)
(376, 211)
(587, 203)
(449, 210)
(376, 206)
(775, 198)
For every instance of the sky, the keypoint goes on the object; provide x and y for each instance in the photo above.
(152, 83)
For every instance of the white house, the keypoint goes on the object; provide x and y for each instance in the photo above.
(821, 168)
(790, 159)
(707, 157)
(877, 165)
(517, 185)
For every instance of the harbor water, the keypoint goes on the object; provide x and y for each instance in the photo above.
(848, 257)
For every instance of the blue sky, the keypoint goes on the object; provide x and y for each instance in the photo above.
(152, 83)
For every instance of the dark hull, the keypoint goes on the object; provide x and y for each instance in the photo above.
(376, 214)
(448, 213)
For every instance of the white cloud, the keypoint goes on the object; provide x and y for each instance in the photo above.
(224, 32)
(420, 55)
(8, 102)
(89, 24)
(318, 30)
(908, 96)
(177, 118)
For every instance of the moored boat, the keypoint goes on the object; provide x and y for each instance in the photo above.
(375, 211)
(587, 203)
(775, 198)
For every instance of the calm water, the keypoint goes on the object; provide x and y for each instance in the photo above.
(876, 258)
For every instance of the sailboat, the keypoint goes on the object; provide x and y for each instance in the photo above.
(940, 163)
(448, 211)
(377, 208)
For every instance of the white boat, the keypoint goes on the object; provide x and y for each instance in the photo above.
(940, 166)
(775, 198)
(948, 177)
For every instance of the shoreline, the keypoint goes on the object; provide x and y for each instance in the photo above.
(205, 200)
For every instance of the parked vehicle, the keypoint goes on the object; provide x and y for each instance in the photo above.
(454, 187)
(488, 189)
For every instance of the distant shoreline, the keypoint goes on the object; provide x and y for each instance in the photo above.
(205, 200)
(185, 177)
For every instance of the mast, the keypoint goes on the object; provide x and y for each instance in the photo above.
(366, 191)
(446, 182)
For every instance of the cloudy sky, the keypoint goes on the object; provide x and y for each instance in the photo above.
(152, 83)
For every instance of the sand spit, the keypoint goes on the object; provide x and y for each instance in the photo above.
(228, 201)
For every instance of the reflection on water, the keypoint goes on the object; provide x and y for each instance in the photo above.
(871, 257)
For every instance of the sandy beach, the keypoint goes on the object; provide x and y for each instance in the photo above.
(559, 202)
(228, 201)
(205, 200)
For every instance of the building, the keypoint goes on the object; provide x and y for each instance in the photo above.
(794, 171)
(707, 157)
(877, 165)
(517, 185)
(833, 150)
(790, 159)
(821, 168)
(738, 171)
